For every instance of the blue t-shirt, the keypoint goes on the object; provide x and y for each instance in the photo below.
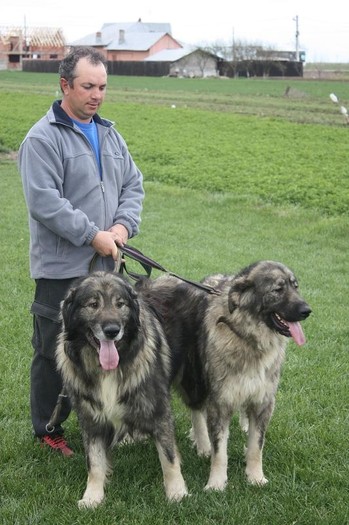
(90, 131)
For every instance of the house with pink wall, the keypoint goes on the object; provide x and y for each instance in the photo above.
(130, 41)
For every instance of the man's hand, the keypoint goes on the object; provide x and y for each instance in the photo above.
(104, 244)
(121, 234)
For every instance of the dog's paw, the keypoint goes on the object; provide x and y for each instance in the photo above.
(258, 481)
(216, 484)
(176, 494)
(90, 501)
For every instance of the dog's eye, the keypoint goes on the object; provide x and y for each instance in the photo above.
(120, 304)
(93, 304)
(278, 289)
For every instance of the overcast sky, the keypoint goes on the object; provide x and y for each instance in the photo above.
(323, 27)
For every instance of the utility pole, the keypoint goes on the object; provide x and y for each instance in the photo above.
(297, 38)
(233, 46)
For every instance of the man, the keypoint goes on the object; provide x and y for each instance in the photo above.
(84, 195)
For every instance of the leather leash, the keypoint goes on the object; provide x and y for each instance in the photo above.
(148, 264)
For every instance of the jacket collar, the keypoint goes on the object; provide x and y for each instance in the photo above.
(60, 116)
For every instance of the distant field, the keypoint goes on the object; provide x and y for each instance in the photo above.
(321, 70)
(277, 140)
(296, 100)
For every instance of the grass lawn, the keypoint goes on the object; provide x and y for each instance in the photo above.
(306, 453)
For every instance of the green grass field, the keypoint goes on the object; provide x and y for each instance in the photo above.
(224, 187)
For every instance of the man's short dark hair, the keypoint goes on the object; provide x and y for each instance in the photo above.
(67, 66)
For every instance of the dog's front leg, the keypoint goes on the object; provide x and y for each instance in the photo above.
(258, 422)
(98, 466)
(218, 429)
(174, 483)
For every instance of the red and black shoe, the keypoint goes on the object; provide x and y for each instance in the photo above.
(57, 443)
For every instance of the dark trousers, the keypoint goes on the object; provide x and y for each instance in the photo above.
(46, 382)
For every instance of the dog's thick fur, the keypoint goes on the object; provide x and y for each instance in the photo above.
(123, 389)
(233, 345)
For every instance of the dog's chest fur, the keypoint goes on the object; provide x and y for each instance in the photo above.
(104, 404)
(240, 376)
(253, 386)
(109, 395)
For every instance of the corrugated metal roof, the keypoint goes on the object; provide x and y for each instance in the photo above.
(89, 40)
(135, 42)
(169, 55)
(138, 36)
(136, 27)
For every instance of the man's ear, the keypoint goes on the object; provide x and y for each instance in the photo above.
(64, 85)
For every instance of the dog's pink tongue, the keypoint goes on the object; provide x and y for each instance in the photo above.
(108, 355)
(297, 333)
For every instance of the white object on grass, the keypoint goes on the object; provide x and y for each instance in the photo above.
(334, 98)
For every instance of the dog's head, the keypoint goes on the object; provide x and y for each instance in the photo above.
(101, 309)
(269, 290)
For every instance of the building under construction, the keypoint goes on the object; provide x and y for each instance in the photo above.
(38, 43)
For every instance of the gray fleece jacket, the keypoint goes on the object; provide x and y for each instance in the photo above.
(67, 200)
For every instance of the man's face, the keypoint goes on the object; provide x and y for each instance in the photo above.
(82, 100)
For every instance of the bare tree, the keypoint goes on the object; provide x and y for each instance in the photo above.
(244, 58)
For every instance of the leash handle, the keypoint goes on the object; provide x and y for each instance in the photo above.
(146, 262)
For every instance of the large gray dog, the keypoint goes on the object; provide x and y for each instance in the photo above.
(231, 346)
(116, 367)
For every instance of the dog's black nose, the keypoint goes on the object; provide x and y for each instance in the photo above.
(305, 311)
(111, 330)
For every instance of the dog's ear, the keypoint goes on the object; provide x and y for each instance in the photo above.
(134, 304)
(239, 286)
(67, 307)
